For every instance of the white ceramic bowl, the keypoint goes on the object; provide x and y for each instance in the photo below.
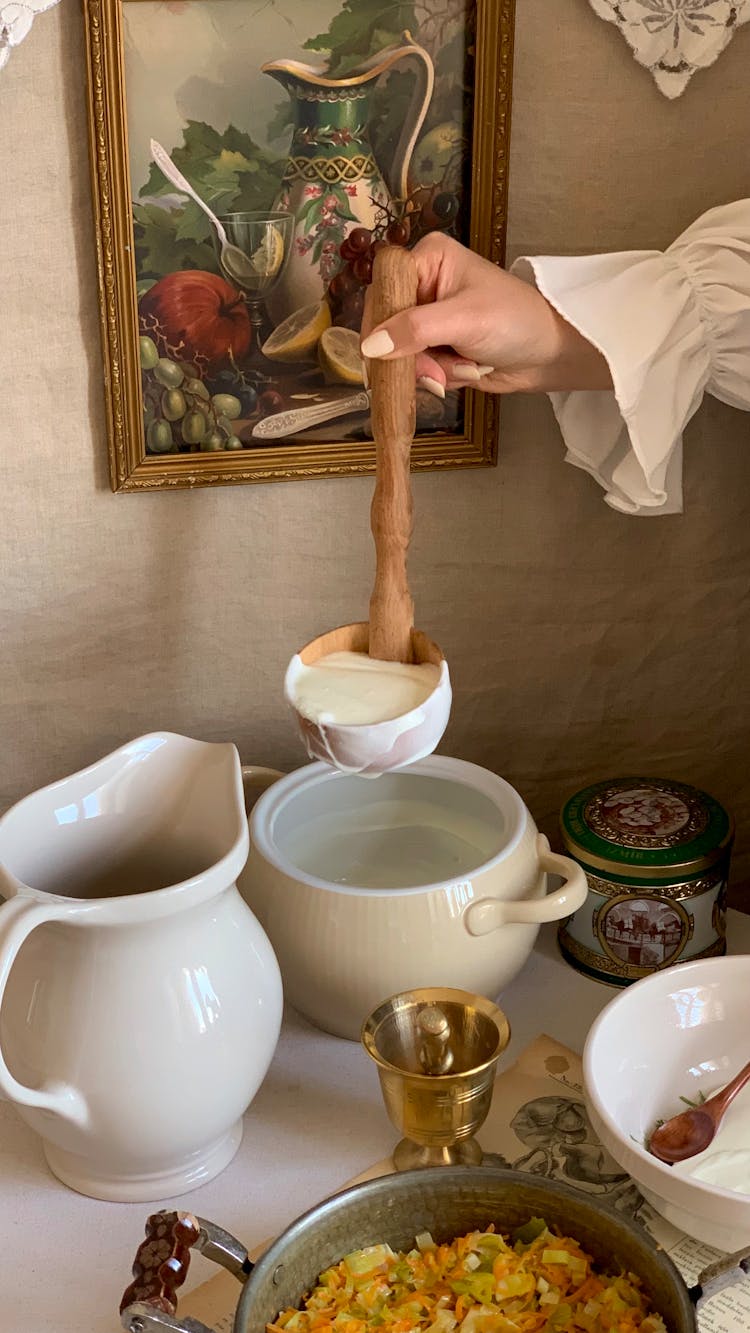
(432, 876)
(668, 1036)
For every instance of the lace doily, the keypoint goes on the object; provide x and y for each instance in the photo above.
(16, 18)
(674, 38)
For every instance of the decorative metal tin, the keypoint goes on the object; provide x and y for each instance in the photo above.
(656, 856)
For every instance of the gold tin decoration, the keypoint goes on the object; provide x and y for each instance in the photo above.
(656, 856)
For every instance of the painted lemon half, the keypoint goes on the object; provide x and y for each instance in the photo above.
(339, 356)
(297, 337)
(269, 256)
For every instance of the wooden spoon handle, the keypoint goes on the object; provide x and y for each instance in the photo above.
(393, 423)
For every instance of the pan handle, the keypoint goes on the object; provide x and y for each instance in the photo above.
(725, 1272)
(161, 1264)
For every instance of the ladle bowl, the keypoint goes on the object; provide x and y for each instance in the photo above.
(375, 747)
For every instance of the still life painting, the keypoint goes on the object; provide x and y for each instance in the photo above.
(262, 152)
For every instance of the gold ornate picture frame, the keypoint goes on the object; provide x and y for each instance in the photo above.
(312, 129)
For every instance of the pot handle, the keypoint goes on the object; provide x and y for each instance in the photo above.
(725, 1272)
(255, 780)
(161, 1264)
(487, 914)
(18, 918)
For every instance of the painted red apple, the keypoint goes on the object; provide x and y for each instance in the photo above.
(198, 317)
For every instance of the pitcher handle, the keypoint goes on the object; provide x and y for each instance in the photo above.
(161, 1264)
(18, 918)
(255, 780)
(420, 103)
(487, 914)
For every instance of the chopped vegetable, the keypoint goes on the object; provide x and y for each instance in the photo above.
(537, 1282)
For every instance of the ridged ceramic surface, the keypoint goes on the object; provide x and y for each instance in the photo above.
(343, 949)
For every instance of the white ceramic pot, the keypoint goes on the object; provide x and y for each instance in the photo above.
(140, 1000)
(432, 876)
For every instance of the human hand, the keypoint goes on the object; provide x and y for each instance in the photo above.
(477, 325)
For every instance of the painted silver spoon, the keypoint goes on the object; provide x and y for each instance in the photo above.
(234, 261)
(691, 1131)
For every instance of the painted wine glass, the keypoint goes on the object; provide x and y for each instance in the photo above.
(265, 240)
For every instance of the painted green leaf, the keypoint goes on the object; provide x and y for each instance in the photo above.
(157, 250)
(192, 224)
(228, 170)
(360, 29)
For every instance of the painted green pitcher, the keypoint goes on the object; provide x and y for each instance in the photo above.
(332, 182)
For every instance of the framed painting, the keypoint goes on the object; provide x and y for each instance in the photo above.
(249, 157)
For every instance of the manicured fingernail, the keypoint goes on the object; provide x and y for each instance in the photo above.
(431, 385)
(484, 370)
(464, 370)
(365, 376)
(379, 343)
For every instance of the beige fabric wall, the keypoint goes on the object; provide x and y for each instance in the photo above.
(582, 643)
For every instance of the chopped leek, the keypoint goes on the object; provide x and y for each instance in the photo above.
(530, 1230)
(540, 1282)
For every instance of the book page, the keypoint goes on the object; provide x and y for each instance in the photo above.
(538, 1123)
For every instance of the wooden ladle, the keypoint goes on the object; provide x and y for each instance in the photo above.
(690, 1132)
(389, 635)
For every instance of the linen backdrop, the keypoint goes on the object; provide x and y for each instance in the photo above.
(582, 643)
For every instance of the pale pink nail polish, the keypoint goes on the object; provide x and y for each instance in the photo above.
(376, 344)
(431, 385)
(464, 370)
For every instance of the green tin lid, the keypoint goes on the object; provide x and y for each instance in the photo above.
(645, 828)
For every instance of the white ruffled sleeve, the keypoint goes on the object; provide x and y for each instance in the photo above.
(671, 326)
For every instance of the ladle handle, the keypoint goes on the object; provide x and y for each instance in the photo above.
(393, 423)
(717, 1105)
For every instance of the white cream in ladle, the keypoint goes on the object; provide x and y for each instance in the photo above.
(354, 689)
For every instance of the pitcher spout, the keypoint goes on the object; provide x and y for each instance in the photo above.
(161, 811)
(305, 82)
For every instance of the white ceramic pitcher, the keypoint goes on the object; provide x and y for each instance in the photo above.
(140, 1000)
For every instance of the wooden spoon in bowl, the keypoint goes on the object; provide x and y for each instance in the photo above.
(690, 1132)
(390, 635)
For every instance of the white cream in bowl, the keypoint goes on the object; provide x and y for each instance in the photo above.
(354, 689)
(726, 1160)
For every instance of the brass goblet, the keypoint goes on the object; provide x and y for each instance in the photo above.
(436, 1051)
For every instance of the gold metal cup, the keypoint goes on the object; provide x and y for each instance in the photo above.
(436, 1050)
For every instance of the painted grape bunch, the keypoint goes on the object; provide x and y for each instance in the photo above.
(397, 224)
